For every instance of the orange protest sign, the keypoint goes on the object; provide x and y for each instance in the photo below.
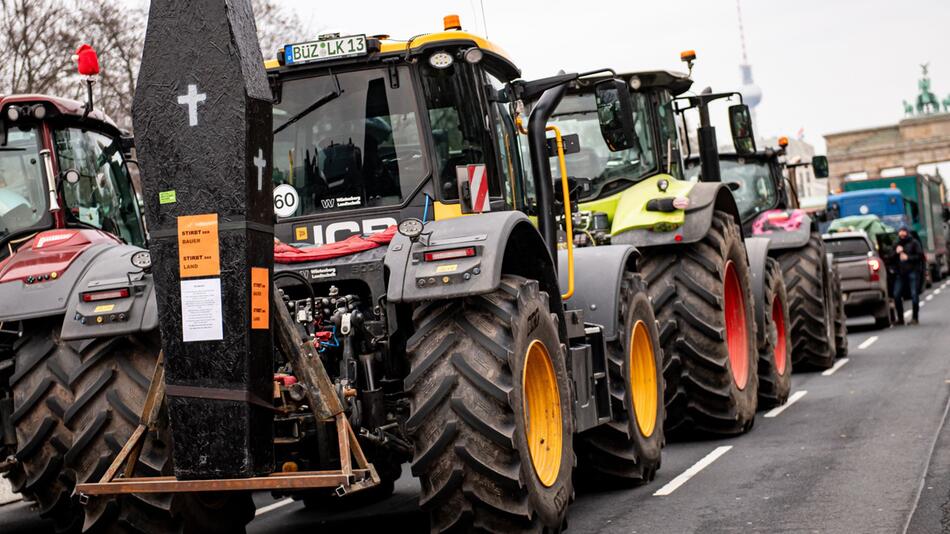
(260, 305)
(198, 252)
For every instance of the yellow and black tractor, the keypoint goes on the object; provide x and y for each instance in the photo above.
(695, 262)
(419, 311)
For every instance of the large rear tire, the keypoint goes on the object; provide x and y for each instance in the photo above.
(775, 347)
(627, 449)
(490, 408)
(76, 404)
(811, 303)
(702, 298)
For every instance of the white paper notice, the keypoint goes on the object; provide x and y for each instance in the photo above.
(201, 310)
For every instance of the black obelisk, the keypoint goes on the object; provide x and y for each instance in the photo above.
(202, 117)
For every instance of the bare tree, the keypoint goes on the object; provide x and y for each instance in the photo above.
(275, 27)
(36, 38)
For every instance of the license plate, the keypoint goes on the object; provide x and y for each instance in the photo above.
(339, 47)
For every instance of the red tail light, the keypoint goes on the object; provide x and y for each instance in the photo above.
(874, 267)
(450, 254)
(109, 294)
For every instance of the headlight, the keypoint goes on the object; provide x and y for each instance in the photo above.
(142, 259)
(411, 228)
(441, 60)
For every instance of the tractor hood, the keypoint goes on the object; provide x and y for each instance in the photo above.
(627, 210)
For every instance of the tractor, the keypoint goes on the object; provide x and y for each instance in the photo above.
(71, 229)
(702, 281)
(416, 288)
(768, 205)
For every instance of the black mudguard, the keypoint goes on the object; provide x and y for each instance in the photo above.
(101, 266)
(112, 270)
(757, 250)
(704, 199)
(598, 273)
(504, 242)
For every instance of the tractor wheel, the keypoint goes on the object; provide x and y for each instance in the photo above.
(627, 450)
(841, 327)
(76, 404)
(775, 347)
(811, 303)
(490, 406)
(703, 300)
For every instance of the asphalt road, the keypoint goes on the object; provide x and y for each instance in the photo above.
(861, 449)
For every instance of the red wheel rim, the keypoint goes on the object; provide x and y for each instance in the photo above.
(737, 339)
(778, 317)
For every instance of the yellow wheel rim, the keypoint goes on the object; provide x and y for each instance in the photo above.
(542, 413)
(643, 378)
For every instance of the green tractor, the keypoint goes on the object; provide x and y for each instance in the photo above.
(699, 275)
(769, 208)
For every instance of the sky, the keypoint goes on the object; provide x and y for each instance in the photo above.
(824, 66)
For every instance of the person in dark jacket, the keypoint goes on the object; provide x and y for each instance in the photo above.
(910, 257)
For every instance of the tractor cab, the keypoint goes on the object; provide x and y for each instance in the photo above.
(763, 180)
(62, 166)
(369, 130)
(760, 184)
(656, 142)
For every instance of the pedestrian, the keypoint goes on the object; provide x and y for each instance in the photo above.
(910, 255)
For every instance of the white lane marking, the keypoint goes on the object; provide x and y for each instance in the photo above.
(693, 470)
(938, 290)
(929, 297)
(907, 314)
(271, 507)
(791, 400)
(922, 304)
(838, 365)
(867, 342)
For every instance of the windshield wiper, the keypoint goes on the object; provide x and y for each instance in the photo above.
(322, 101)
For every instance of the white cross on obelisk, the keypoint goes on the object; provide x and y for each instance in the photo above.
(260, 163)
(192, 99)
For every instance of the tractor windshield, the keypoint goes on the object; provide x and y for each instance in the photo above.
(23, 194)
(577, 114)
(103, 196)
(756, 191)
(348, 140)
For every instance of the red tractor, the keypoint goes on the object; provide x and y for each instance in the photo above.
(74, 362)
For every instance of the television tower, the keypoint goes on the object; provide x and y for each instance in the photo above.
(751, 93)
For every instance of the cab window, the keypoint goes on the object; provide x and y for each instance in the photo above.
(458, 124)
(103, 197)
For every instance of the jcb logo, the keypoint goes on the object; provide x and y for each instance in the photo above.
(339, 231)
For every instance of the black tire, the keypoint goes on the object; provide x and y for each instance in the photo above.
(467, 422)
(687, 286)
(811, 304)
(622, 452)
(76, 404)
(841, 324)
(775, 346)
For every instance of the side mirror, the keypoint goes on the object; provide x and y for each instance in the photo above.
(819, 164)
(616, 114)
(740, 121)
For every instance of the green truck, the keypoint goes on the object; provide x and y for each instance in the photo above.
(926, 195)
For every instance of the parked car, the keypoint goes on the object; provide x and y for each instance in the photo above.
(864, 284)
